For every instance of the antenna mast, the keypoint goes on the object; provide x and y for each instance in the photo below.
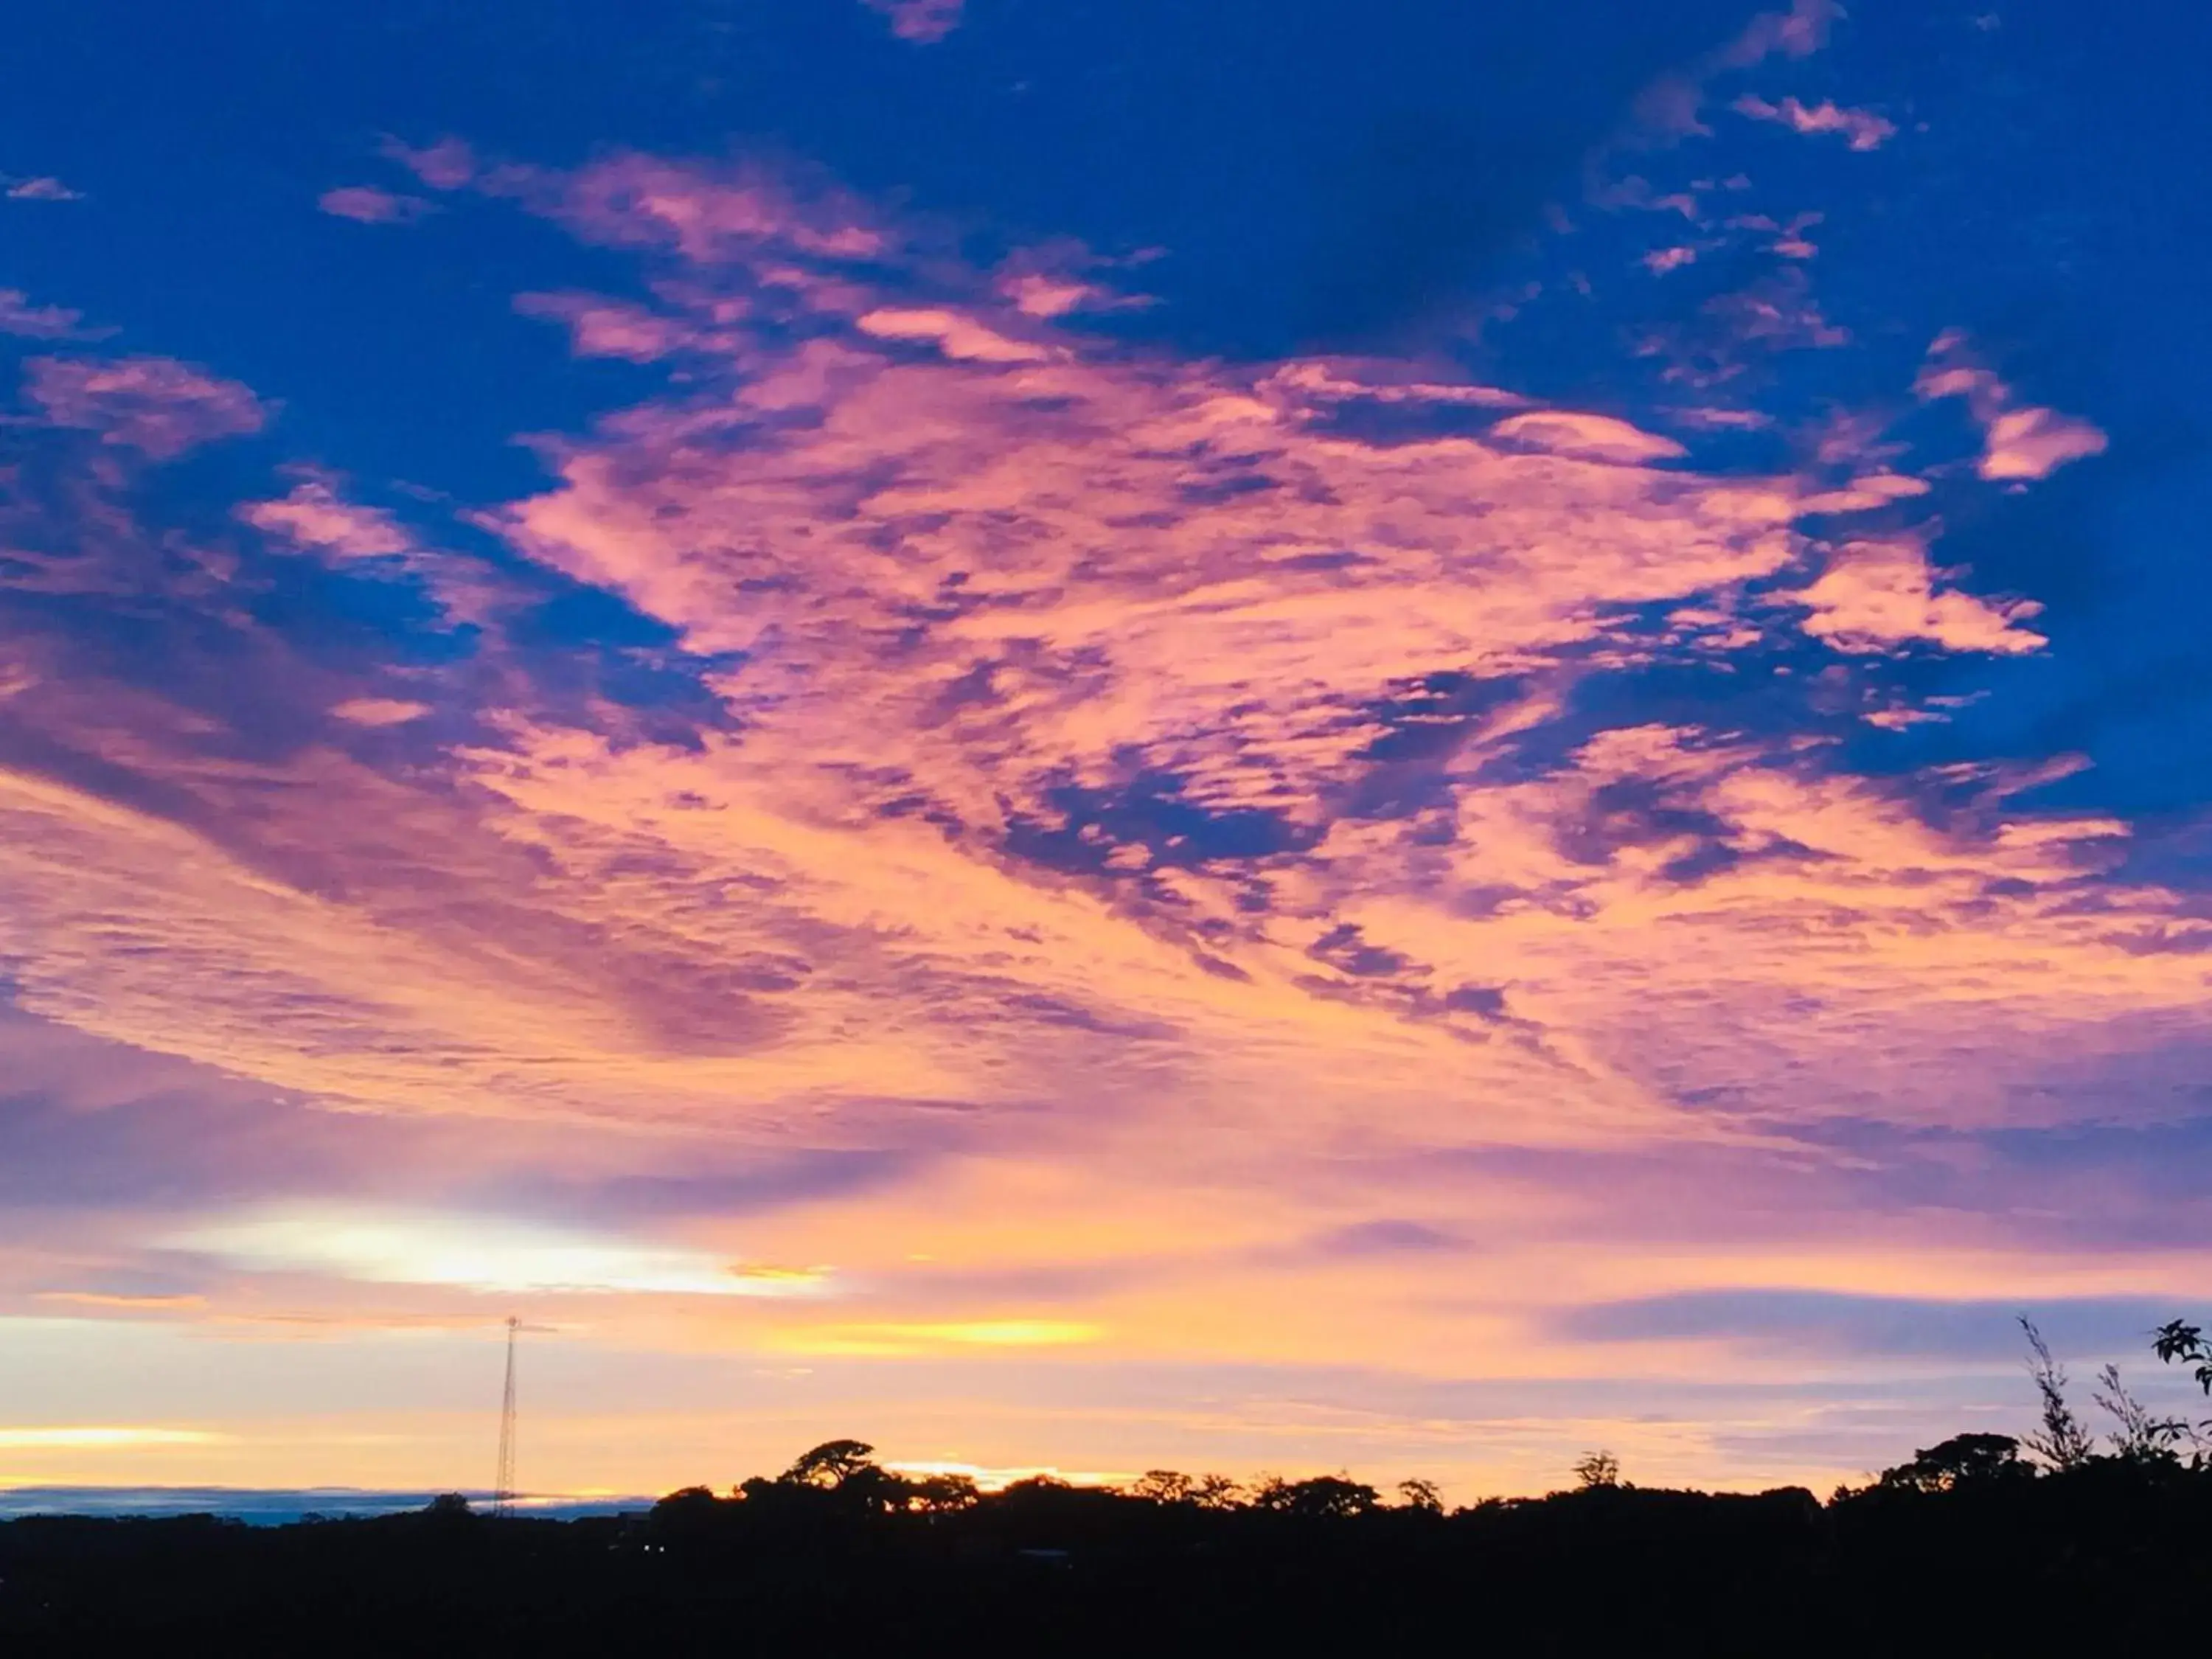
(502, 1497)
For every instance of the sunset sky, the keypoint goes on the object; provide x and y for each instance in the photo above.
(1252, 737)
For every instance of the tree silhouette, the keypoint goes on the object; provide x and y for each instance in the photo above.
(2142, 1437)
(1216, 1492)
(2062, 1443)
(1597, 1468)
(843, 1550)
(1324, 1495)
(2176, 1341)
(1963, 1461)
(1164, 1487)
(942, 1494)
(831, 1464)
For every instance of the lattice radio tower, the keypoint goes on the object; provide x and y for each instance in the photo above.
(502, 1493)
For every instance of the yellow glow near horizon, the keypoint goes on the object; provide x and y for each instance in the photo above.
(891, 1340)
(103, 1437)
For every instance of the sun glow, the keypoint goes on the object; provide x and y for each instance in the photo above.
(480, 1254)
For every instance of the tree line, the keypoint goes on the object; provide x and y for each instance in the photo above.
(1980, 1543)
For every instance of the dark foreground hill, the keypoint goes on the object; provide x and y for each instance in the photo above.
(1971, 1554)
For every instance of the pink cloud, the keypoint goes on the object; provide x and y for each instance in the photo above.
(379, 711)
(449, 164)
(316, 519)
(1058, 279)
(366, 204)
(1879, 595)
(2021, 443)
(1588, 437)
(600, 327)
(1670, 108)
(956, 335)
(156, 405)
(1326, 381)
(1798, 33)
(1717, 419)
(1863, 128)
(736, 212)
(1734, 332)
(1035, 294)
(922, 21)
(19, 316)
(1659, 261)
(39, 190)
(2033, 443)
(314, 515)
